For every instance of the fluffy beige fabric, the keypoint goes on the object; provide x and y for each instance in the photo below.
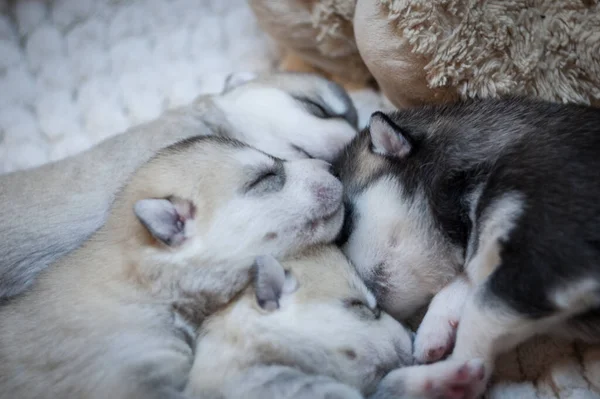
(545, 48)
(318, 31)
(423, 51)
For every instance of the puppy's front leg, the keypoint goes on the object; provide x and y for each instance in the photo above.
(437, 332)
(488, 327)
(445, 380)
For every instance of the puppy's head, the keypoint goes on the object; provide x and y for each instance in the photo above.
(391, 232)
(290, 115)
(213, 200)
(314, 313)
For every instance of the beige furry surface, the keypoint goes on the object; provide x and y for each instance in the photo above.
(546, 48)
(318, 31)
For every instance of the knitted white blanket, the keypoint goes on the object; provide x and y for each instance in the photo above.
(73, 72)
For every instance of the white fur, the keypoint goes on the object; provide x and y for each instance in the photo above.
(452, 379)
(473, 201)
(397, 235)
(274, 223)
(579, 295)
(437, 332)
(499, 219)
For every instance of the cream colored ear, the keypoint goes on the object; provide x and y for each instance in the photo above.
(165, 219)
(237, 79)
(269, 280)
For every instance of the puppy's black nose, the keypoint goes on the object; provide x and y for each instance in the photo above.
(334, 170)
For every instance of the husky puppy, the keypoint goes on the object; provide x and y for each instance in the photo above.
(309, 328)
(504, 191)
(115, 318)
(48, 211)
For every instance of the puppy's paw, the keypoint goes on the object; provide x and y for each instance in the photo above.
(452, 380)
(435, 338)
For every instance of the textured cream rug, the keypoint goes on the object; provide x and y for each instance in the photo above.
(73, 72)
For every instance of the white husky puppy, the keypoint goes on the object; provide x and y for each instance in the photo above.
(115, 317)
(48, 211)
(309, 328)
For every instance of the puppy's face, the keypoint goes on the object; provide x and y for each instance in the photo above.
(220, 200)
(390, 233)
(291, 115)
(315, 313)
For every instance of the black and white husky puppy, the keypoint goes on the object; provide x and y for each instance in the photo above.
(493, 205)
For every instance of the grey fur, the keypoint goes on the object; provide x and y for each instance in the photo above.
(265, 382)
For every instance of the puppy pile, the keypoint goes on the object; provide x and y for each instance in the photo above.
(171, 295)
(212, 272)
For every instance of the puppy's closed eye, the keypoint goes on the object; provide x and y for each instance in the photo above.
(268, 180)
(363, 309)
(314, 108)
(262, 177)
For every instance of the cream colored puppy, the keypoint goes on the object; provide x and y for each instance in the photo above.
(309, 328)
(116, 317)
(48, 211)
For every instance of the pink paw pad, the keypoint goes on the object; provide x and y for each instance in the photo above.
(457, 384)
(445, 340)
(433, 355)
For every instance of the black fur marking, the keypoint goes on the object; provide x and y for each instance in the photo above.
(376, 283)
(187, 143)
(347, 227)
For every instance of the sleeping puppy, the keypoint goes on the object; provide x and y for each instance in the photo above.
(309, 328)
(116, 317)
(48, 211)
(495, 204)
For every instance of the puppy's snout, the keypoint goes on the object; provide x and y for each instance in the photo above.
(329, 195)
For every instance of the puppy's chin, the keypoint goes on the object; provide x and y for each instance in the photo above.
(326, 230)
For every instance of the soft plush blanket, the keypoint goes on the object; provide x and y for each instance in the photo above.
(73, 72)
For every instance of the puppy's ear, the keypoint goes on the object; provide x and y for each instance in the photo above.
(387, 138)
(236, 79)
(271, 281)
(165, 219)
